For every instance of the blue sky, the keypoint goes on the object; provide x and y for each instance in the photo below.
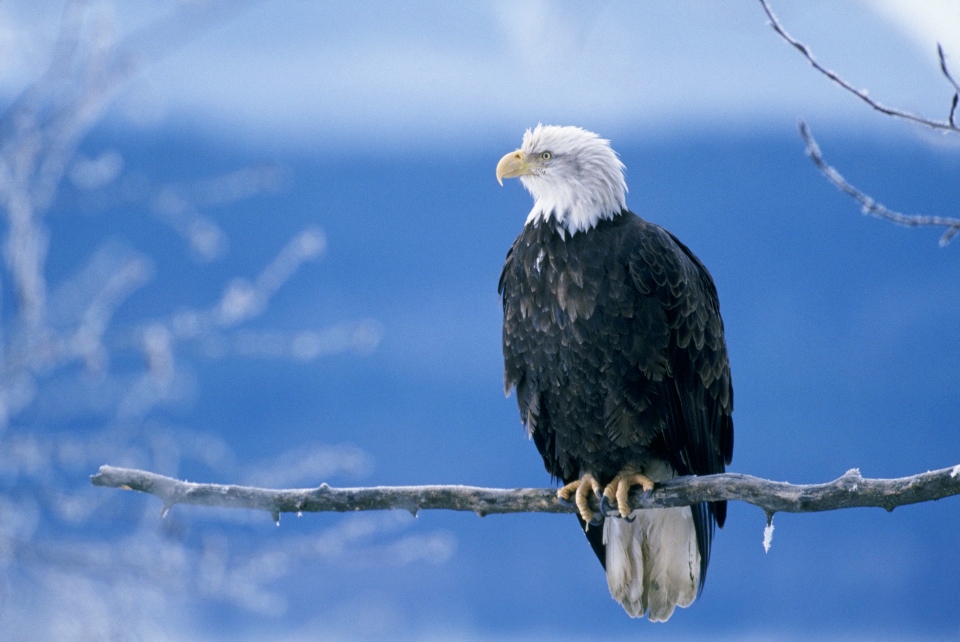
(303, 203)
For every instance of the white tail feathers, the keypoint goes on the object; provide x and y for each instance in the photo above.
(653, 564)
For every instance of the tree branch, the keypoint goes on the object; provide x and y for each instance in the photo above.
(947, 125)
(956, 87)
(869, 206)
(849, 491)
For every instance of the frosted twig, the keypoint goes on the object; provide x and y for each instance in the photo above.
(869, 206)
(862, 94)
(40, 131)
(87, 340)
(956, 87)
(849, 491)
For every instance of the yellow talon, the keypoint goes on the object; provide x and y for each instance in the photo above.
(580, 489)
(619, 489)
(565, 492)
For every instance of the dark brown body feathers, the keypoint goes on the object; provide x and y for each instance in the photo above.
(614, 342)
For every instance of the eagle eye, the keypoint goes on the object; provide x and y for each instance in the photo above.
(545, 156)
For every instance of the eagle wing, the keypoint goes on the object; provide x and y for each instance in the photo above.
(697, 391)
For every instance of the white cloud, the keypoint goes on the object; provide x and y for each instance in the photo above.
(377, 74)
(926, 24)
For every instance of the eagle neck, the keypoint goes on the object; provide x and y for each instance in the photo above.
(542, 225)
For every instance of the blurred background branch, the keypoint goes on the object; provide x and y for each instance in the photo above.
(70, 348)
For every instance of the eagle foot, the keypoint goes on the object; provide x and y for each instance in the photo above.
(609, 510)
(579, 489)
(618, 490)
(564, 502)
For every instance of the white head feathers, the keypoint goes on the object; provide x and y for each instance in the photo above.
(577, 178)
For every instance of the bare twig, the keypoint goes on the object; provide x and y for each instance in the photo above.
(849, 491)
(862, 94)
(40, 132)
(956, 87)
(868, 205)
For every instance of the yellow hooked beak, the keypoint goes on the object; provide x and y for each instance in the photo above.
(512, 165)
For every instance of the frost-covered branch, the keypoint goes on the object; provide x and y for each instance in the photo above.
(89, 363)
(849, 491)
(40, 132)
(942, 125)
(869, 206)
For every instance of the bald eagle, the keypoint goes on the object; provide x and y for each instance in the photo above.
(613, 340)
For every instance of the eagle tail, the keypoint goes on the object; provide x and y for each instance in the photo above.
(652, 563)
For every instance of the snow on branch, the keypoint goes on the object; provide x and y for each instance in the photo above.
(948, 125)
(849, 491)
(869, 206)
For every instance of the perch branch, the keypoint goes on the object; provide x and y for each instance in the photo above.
(862, 94)
(849, 491)
(869, 206)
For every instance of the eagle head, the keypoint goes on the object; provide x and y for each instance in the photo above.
(574, 176)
